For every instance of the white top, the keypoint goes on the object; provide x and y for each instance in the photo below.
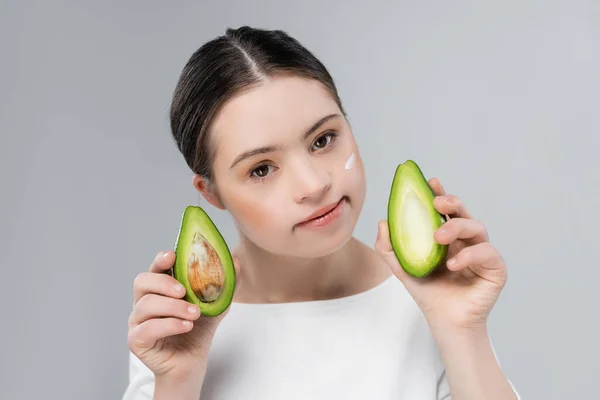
(372, 345)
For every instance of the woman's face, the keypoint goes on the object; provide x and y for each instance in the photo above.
(283, 152)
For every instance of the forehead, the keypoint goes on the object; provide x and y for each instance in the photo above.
(274, 112)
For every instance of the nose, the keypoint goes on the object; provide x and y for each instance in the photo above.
(310, 183)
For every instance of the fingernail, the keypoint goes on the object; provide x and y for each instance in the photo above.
(192, 309)
(186, 323)
(164, 254)
(179, 288)
(451, 262)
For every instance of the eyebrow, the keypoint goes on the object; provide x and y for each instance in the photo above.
(270, 149)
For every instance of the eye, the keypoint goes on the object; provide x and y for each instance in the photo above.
(324, 140)
(260, 171)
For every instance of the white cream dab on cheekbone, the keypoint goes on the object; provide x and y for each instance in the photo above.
(350, 161)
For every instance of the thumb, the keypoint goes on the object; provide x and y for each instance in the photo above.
(383, 246)
(236, 266)
(382, 242)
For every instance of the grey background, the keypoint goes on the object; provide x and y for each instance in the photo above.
(498, 98)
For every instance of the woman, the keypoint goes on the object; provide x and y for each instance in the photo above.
(316, 314)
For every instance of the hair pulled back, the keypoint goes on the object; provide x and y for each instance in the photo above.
(224, 66)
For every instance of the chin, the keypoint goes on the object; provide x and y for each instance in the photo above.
(317, 247)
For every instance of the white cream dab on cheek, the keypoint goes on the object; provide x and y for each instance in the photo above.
(350, 161)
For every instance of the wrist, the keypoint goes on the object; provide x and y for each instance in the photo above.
(471, 365)
(472, 341)
(183, 386)
(464, 333)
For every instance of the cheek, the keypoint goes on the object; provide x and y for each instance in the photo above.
(350, 161)
(351, 171)
(257, 214)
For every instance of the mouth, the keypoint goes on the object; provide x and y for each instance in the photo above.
(322, 212)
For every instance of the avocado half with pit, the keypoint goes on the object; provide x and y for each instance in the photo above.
(412, 221)
(203, 263)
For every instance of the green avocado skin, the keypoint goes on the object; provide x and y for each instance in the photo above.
(196, 220)
(410, 187)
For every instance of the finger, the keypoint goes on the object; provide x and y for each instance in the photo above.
(236, 266)
(163, 262)
(157, 306)
(145, 335)
(470, 230)
(382, 243)
(383, 247)
(480, 256)
(449, 204)
(436, 186)
(152, 282)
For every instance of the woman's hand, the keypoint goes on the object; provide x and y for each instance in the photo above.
(461, 293)
(168, 334)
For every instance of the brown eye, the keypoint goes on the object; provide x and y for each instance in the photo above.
(261, 171)
(323, 141)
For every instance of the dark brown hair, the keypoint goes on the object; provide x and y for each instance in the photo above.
(221, 68)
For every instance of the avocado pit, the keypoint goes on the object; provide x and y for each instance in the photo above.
(205, 270)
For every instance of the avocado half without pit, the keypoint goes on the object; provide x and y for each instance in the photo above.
(412, 221)
(203, 263)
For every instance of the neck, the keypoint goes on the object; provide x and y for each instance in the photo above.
(272, 278)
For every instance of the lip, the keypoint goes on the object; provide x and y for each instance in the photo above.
(321, 212)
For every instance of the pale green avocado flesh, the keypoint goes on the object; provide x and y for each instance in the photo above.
(412, 221)
(203, 263)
